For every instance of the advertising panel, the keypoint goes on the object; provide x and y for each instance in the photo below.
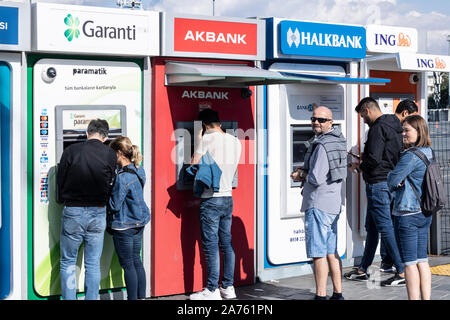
(204, 36)
(65, 28)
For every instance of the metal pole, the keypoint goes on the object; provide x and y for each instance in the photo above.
(214, 5)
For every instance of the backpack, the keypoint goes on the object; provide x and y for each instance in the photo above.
(433, 191)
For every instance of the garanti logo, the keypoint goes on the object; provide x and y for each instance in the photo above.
(91, 29)
(73, 24)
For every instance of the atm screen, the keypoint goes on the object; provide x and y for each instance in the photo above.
(72, 123)
(300, 135)
(185, 149)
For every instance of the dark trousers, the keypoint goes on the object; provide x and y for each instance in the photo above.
(128, 244)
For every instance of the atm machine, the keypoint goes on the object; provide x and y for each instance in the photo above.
(67, 94)
(14, 40)
(75, 76)
(327, 55)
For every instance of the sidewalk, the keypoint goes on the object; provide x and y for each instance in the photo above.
(303, 287)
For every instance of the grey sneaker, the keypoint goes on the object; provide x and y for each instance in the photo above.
(354, 275)
(395, 281)
(228, 293)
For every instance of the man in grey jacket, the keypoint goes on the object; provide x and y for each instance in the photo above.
(325, 168)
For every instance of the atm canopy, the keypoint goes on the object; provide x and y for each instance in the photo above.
(404, 61)
(237, 75)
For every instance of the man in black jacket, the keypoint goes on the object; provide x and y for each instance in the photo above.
(85, 177)
(381, 154)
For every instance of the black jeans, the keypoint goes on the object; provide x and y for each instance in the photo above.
(128, 244)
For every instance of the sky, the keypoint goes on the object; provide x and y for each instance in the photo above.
(431, 18)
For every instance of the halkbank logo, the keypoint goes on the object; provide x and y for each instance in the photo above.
(73, 24)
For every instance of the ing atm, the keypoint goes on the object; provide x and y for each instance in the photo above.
(67, 95)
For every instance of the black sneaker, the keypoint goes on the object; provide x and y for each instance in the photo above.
(395, 281)
(337, 296)
(354, 275)
(316, 297)
(387, 268)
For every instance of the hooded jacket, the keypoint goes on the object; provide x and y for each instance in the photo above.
(382, 149)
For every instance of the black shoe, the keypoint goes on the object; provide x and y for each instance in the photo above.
(387, 268)
(354, 275)
(337, 296)
(395, 281)
(319, 297)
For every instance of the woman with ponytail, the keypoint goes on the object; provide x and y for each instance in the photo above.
(128, 215)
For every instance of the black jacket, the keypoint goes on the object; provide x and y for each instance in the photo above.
(382, 149)
(85, 174)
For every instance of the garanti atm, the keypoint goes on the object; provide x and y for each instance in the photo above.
(66, 94)
(14, 39)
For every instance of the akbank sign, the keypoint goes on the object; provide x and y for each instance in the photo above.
(322, 40)
(95, 30)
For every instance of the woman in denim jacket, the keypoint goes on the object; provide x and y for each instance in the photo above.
(410, 225)
(129, 214)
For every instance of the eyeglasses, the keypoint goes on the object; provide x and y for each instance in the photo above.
(321, 120)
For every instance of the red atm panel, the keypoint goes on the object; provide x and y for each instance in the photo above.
(177, 261)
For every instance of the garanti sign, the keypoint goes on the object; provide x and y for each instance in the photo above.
(301, 38)
(65, 28)
(212, 37)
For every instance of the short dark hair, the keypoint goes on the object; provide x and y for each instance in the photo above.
(367, 103)
(407, 105)
(209, 116)
(99, 126)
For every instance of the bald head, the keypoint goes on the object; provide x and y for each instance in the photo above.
(321, 120)
(323, 112)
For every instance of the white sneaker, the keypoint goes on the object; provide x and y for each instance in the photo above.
(228, 293)
(206, 295)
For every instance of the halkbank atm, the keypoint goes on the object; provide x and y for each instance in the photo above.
(14, 39)
(66, 94)
(325, 57)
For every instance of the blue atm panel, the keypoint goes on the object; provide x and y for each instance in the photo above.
(5, 227)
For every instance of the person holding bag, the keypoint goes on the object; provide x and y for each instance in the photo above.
(128, 215)
(411, 225)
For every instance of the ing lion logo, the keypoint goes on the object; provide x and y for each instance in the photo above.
(404, 40)
(439, 63)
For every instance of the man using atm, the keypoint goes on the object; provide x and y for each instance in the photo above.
(84, 180)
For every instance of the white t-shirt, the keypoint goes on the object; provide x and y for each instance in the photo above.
(225, 149)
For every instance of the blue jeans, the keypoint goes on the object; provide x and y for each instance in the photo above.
(81, 224)
(321, 233)
(128, 244)
(412, 235)
(378, 220)
(215, 225)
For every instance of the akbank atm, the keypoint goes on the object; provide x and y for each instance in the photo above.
(14, 39)
(325, 57)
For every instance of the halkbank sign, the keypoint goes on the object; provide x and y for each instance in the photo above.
(95, 30)
(322, 39)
